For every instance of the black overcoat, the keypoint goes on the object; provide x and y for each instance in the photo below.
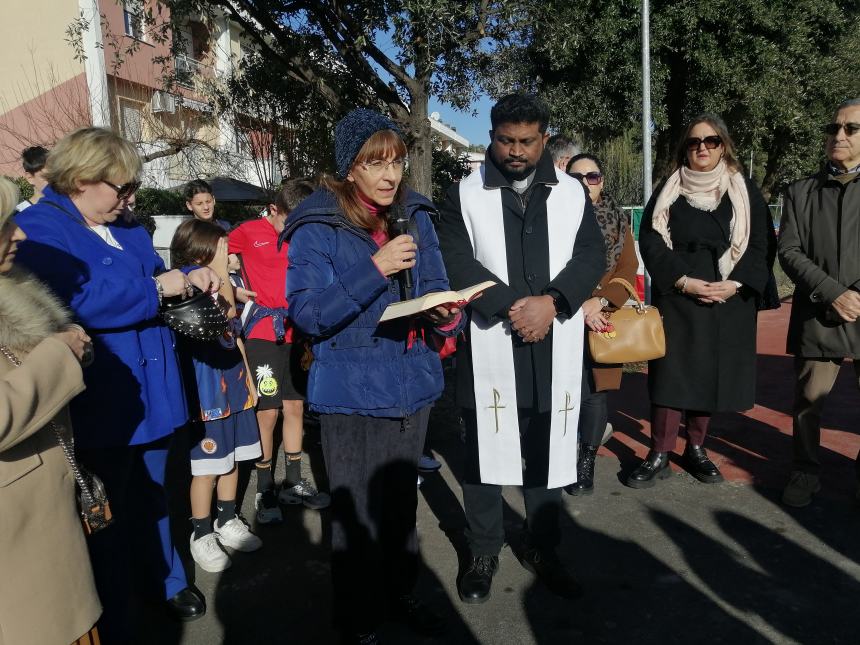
(527, 248)
(710, 348)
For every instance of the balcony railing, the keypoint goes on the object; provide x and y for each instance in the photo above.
(187, 69)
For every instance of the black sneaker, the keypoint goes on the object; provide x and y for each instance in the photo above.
(416, 615)
(363, 638)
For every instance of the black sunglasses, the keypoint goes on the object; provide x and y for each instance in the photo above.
(712, 142)
(592, 178)
(126, 190)
(833, 129)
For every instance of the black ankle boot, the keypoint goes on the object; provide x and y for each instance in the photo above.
(700, 466)
(655, 466)
(474, 586)
(584, 484)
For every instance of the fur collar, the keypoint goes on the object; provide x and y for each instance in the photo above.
(29, 312)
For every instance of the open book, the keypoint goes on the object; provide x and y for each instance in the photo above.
(453, 298)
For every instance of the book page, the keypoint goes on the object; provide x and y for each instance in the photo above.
(435, 299)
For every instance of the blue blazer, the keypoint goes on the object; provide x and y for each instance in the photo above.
(134, 393)
(337, 296)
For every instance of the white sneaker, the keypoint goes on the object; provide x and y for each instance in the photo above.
(268, 511)
(236, 535)
(208, 555)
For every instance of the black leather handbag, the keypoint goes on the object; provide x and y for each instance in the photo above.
(198, 317)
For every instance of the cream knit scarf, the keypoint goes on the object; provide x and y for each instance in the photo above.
(704, 191)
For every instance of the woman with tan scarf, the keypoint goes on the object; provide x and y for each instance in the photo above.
(705, 240)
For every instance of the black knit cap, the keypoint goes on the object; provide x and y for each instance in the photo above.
(353, 131)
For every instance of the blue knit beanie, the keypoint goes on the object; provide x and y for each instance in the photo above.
(353, 131)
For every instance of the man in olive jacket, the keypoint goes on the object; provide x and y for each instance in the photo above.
(818, 249)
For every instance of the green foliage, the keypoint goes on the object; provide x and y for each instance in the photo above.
(24, 187)
(447, 169)
(157, 201)
(774, 69)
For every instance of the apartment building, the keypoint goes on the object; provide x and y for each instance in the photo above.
(70, 63)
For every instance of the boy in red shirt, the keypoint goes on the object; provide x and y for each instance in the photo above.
(273, 358)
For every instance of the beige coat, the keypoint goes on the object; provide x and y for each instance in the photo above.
(48, 595)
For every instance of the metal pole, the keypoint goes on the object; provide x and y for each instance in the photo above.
(646, 102)
(646, 118)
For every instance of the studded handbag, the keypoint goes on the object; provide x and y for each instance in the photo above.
(198, 317)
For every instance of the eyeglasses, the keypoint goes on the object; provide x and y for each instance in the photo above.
(126, 190)
(833, 129)
(592, 178)
(712, 142)
(377, 167)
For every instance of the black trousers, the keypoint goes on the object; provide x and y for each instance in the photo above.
(372, 469)
(593, 410)
(483, 502)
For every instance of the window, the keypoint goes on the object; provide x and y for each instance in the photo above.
(133, 17)
(131, 120)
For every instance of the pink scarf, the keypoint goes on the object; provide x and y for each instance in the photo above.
(379, 235)
(704, 191)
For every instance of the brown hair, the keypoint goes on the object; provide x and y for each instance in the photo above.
(195, 242)
(720, 127)
(292, 192)
(91, 154)
(380, 145)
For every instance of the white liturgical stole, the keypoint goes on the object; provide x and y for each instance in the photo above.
(492, 350)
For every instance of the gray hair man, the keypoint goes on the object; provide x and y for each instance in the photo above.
(818, 250)
(561, 149)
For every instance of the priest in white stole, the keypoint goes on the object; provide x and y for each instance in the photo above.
(529, 227)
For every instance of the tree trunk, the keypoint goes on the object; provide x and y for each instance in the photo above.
(420, 146)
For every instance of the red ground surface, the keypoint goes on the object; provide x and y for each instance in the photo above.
(754, 447)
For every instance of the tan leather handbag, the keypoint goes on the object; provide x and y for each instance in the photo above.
(636, 334)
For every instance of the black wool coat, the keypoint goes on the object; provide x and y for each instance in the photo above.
(527, 248)
(710, 348)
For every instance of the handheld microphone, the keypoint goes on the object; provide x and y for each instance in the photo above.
(399, 225)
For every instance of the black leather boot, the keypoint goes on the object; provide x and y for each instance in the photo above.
(584, 484)
(700, 466)
(474, 586)
(655, 466)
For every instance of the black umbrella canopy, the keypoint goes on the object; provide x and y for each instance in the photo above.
(227, 189)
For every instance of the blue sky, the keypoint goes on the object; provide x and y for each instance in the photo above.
(474, 128)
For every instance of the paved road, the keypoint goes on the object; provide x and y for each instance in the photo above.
(683, 562)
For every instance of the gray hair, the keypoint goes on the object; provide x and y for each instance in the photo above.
(559, 147)
(847, 104)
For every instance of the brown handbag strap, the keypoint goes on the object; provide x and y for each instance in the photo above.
(630, 289)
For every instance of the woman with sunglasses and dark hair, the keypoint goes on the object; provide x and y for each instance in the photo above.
(707, 241)
(105, 269)
(621, 262)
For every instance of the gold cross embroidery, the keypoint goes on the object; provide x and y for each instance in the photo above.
(496, 407)
(566, 409)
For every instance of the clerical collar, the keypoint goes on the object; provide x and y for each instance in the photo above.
(522, 185)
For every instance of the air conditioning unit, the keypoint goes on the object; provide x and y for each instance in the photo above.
(163, 102)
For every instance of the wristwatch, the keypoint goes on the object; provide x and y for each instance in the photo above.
(604, 303)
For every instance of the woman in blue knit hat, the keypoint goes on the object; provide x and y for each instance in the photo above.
(372, 384)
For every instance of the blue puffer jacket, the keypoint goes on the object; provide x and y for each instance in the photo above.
(337, 295)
